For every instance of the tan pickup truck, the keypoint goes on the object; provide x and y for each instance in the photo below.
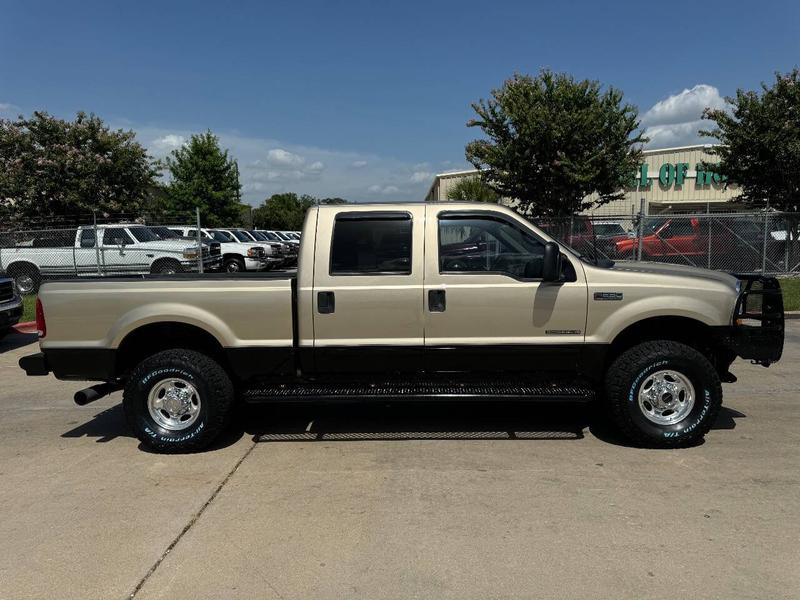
(451, 300)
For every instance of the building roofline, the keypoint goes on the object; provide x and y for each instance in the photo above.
(676, 148)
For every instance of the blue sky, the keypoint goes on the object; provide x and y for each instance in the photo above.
(367, 100)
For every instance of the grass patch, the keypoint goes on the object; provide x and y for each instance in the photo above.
(791, 294)
(29, 308)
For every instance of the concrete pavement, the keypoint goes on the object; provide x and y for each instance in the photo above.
(88, 514)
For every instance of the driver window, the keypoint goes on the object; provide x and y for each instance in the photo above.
(116, 236)
(488, 245)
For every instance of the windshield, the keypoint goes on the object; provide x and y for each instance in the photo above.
(165, 233)
(259, 236)
(239, 236)
(143, 234)
(271, 236)
(609, 229)
(282, 235)
(294, 236)
(222, 236)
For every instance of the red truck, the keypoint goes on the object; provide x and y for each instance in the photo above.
(676, 237)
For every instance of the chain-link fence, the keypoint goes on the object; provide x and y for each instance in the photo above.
(108, 245)
(758, 242)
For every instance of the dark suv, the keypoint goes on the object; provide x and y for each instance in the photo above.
(10, 305)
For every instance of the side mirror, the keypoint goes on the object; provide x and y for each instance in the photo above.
(551, 263)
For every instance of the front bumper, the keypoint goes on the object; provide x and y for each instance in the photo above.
(10, 313)
(756, 331)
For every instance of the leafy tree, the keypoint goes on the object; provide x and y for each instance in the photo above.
(760, 134)
(472, 189)
(553, 141)
(283, 211)
(204, 176)
(52, 168)
(335, 200)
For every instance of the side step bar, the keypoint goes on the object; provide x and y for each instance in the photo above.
(342, 392)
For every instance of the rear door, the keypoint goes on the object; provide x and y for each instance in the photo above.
(367, 294)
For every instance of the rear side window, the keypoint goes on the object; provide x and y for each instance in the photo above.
(371, 243)
(87, 238)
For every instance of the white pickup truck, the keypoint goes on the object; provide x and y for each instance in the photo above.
(28, 257)
(238, 254)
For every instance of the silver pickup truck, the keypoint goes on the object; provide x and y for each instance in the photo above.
(444, 301)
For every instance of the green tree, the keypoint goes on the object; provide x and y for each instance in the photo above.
(553, 141)
(335, 200)
(472, 189)
(283, 211)
(204, 176)
(51, 168)
(760, 133)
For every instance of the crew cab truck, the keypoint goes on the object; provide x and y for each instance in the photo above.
(393, 302)
(105, 250)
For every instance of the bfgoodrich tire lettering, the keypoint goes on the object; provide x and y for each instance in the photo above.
(206, 376)
(631, 370)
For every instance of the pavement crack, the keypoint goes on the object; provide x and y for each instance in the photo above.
(190, 524)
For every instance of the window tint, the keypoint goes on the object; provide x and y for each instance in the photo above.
(116, 236)
(87, 238)
(363, 245)
(485, 244)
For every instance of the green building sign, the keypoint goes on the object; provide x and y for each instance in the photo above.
(674, 175)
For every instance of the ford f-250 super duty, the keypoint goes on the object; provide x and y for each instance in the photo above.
(451, 300)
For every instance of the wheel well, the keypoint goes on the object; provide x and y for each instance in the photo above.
(21, 266)
(155, 337)
(685, 330)
(232, 255)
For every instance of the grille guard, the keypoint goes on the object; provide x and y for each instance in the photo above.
(760, 300)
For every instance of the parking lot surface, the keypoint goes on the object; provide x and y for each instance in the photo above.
(422, 501)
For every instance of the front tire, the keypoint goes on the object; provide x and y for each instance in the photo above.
(167, 266)
(234, 265)
(178, 401)
(663, 394)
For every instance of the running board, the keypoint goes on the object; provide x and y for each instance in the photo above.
(399, 390)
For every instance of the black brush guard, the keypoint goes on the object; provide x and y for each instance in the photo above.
(757, 324)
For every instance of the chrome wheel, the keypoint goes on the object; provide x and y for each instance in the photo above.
(233, 266)
(174, 404)
(25, 284)
(666, 397)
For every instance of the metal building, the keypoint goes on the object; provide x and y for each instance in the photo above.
(670, 180)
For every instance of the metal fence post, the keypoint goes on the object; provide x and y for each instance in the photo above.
(764, 249)
(96, 242)
(708, 233)
(640, 234)
(199, 241)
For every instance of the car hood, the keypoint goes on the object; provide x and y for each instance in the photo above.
(674, 271)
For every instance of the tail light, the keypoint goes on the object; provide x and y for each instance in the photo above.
(40, 323)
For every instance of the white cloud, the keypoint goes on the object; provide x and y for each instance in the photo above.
(168, 143)
(6, 108)
(676, 120)
(421, 176)
(383, 189)
(268, 166)
(284, 158)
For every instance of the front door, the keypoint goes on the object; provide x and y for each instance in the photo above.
(367, 294)
(486, 307)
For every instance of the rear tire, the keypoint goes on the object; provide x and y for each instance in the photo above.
(178, 401)
(663, 394)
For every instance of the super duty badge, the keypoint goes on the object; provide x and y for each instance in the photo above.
(608, 296)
